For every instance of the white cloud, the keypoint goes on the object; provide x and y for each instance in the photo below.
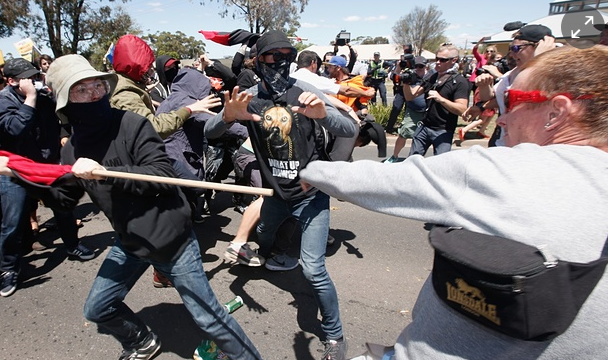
(352, 18)
(154, 4)
(310, 25)
(376, 18)
(453, 27)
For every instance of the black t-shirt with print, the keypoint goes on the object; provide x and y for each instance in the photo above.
(284, 142)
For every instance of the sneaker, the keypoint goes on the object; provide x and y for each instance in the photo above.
(150, 347)
(81, 252)
(335, 349)
(391, 159)
(160, 280)
(330, 240)
(9, 283)
(281, 262)
(242, 254)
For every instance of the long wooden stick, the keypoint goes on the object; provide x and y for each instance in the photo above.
(185, 182)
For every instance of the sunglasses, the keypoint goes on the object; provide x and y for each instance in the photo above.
(517, 48)
(490, 51)
(516, 97)
(443, 59)
(278, 56)
(420, 66)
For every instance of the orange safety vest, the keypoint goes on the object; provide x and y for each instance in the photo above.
(356, 82)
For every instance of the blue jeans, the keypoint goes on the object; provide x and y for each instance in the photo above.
(121, 270)
(312, 213)
(424, 137)
(14, 222)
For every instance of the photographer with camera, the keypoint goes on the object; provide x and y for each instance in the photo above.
(405, 64)
(447, 94)
(414, 109)
(376, 76)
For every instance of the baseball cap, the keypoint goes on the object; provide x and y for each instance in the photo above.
(376, 53)
(336, 61)
(19, 68)
(532, 33)
(171, 62)
(419, 60)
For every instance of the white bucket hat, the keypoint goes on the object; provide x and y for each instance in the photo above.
(67, 70)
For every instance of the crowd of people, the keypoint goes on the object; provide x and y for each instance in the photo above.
(279, 125)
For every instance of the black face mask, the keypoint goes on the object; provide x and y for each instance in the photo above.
(90, 120)
(275, 76)
(170, 74)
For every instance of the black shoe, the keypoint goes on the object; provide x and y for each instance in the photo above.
(150, 347)
(9, 283)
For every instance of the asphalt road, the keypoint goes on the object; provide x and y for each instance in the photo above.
(378, 264)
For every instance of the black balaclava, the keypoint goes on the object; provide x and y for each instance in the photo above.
(91, 123)
(275, 76)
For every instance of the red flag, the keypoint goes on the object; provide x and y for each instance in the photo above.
(33, 172)
(220, 37)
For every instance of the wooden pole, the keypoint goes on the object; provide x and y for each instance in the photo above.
(186, 182)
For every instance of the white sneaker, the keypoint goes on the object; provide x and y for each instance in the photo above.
(242, 254)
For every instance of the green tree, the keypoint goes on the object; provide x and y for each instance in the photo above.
(12, 15)
(263, 15)
(377, 40)
(177, 44)
(111, 27)
(69, 26)
(423, 28)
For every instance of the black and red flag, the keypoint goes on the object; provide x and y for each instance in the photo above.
(35, 173)
(235, 37)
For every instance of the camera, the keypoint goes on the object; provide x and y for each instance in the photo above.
(407, 76)
(480, 71)
(406, 61)
(342, 38)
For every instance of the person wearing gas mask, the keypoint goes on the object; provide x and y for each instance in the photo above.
(30, 128)
(285, 118)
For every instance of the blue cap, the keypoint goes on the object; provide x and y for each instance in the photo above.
(336, 61)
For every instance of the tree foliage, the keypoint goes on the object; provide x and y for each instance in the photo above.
(263, 15)
(177, 44)
(423, 28)
(69, 26)
(12, 15)
(368, 40)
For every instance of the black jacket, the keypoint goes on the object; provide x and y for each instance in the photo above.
(27, 131)
(152, 220)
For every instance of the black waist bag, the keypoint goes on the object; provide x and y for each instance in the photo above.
(508, 286)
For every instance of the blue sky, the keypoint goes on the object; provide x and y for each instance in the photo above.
(323, 19)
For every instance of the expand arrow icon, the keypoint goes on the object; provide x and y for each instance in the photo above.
(574, 34)
(589, 20)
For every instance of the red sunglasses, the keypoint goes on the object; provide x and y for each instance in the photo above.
(515, 97)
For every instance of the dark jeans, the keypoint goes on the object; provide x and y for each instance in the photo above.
(398, 103)
(15, 220)
(15, 223)
(424, 137)
(380, 87)
(312, 214)
(121, 270)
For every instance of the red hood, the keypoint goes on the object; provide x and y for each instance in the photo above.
(132, 57)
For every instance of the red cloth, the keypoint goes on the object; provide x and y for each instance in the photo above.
(30, 170)
(220, 37)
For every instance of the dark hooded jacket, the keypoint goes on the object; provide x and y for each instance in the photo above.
(188, 143)
(162, 89)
